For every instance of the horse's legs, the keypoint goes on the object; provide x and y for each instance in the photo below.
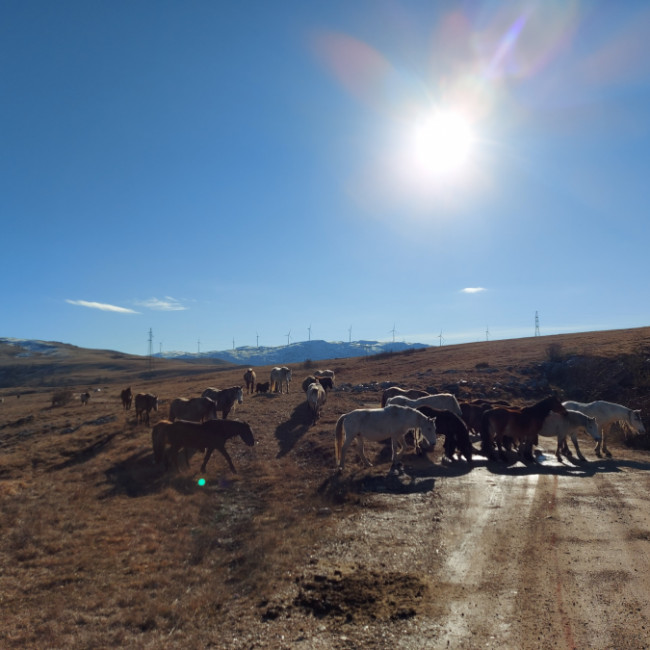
(362, 452)
(574, 438)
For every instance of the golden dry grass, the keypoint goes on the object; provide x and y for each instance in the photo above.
(101, 548)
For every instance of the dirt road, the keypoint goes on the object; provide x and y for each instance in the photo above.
(543, 556)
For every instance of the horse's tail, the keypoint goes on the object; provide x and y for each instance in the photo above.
(338, 441)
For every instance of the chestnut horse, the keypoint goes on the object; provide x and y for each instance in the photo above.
(522, 425)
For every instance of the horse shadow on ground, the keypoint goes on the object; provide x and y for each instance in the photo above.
(139, 476)
(568, 467)
(84, 455)
(289, 432)
(338, 488)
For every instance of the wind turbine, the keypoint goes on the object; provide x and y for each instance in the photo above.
(393, 331)
(350, 334)
(441, 338)
(288, 337)
(309, 330)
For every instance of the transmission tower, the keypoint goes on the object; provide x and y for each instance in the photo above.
(150, 349)
(487, 334)
(536, 324)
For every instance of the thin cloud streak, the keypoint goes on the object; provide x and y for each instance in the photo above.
(102, 306)
(166, 304)
(473, 290)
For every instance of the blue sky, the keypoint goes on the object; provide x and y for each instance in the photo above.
(244, 171)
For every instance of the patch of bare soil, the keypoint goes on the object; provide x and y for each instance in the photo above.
(101, 547)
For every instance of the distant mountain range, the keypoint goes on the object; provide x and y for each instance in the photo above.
(295, 352)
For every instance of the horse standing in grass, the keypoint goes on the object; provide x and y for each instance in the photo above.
(394, 391)
(280, 377)
(209, 435)
(194, 409)
(316, 398)
(445, 401)
(145, 402)
(85, 398)
(392, 422)
(606, 413)
(249, 378)
(127, 397)
(225, 399)
(522, 425)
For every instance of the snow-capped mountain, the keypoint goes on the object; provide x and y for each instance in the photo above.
(296, 352)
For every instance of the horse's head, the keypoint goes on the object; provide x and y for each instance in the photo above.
(428, 431)
(155, 403)
(592, 428)
(555, 405)
(637, 422)
(240, 395)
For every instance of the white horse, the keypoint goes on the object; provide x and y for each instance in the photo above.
(445, 401)
(606, 413)
(559, 426)
(280, 376)
(392, 422)
(316, 398)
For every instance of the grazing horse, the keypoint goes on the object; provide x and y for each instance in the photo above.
(194, 409)
(84, 398)
(393, 391)
(325, 373)
(392, 422)
(473, 412)
(454, 429)
(262, 387)
(280, 377)
(445, 401)
(606, 413)
(209, 435)
(249, 378)
(560, 426)
(522, 425)
(316, 398)
(144, 402)
(127, 397)
(225, 399)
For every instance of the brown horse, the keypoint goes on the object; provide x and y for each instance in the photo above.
(194, 409)
(249, 378)
(144, 402)
(127, 397)
(209, 435)
(521, 425)
(454, 429)
(225, 399)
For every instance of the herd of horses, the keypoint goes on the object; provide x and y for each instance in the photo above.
(500, 427)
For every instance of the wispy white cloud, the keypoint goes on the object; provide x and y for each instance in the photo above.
(473, 290)
(102, 306)
(166, 304)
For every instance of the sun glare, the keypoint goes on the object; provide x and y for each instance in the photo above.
(441, 143)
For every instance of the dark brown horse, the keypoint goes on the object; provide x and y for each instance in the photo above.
(454, 429)
(225, 399)
(207, 436)
(127, 397)
(521, 425)
(145, 402)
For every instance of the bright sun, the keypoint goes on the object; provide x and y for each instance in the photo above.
(441, 143)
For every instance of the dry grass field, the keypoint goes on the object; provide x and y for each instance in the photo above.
(102, 548)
